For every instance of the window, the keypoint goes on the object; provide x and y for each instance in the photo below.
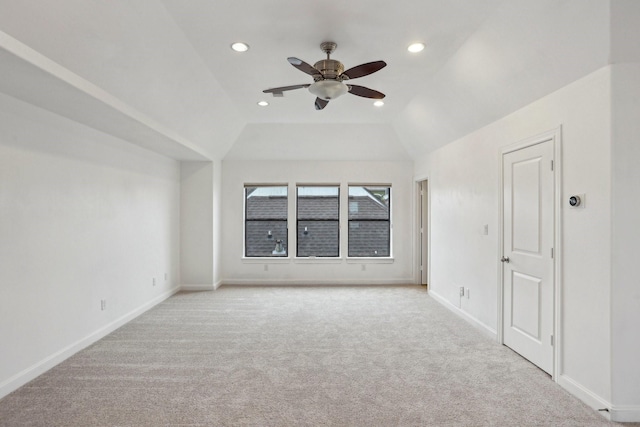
(318, 216)
(369, 221)
(265, 228)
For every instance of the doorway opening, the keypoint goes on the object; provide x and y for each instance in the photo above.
(423, 232)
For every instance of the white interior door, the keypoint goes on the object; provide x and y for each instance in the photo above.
(528, 233)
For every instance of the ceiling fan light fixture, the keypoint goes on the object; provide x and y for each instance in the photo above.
(328, 89)
(240, 47)
(378, 103)
(328, 76)
(263, 103)
(416, 47)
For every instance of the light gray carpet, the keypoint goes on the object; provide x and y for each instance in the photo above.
(289, 356)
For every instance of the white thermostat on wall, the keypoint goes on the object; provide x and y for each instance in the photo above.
(577, 201)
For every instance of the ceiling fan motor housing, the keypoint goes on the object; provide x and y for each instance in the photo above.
(330, 68)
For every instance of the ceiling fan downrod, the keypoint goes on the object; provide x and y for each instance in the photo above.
(330, 69)
(328, 48)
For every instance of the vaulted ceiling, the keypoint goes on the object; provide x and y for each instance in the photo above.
(161, 74)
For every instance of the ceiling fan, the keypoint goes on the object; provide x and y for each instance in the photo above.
(329, 76)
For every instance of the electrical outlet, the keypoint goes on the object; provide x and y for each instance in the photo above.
(266, 267)
(364, 267)
(468, 294)
(103, 304)
(154, 281)
(461, 291)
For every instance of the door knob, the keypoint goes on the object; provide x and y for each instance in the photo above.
(505, 259)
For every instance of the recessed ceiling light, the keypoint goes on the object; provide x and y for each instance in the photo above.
(263, 103)
(240, 47)
(378, 104)
(416, 47)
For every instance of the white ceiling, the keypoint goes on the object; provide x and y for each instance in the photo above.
(164, 69)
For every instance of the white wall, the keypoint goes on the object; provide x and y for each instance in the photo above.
(217, 223)
(464, 181)
(314, 141)
(196, 225)
(237, 270)
(625, 241)
(83, 217)
(200, 225)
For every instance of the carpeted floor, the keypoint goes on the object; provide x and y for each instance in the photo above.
(296, 356)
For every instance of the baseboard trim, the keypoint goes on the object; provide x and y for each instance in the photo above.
(587, 396)
(198, 288)
(316, 282)
(32, 372)
(617, 413)
(466, 316)
(625, 414)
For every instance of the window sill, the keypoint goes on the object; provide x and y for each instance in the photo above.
(317, 260)
(266, 260)
(370, 260)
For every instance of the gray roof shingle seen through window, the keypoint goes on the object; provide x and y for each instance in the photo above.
(322, 238)
(269, 207)
(319, 213)
(369, 229)
(266, 221)
(318, 207)
(257, 240)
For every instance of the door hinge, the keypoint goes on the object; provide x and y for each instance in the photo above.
(551, 253)
(552, 165)
(552, 340)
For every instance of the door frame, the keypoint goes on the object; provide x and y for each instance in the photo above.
(555, 136)
(417, 240)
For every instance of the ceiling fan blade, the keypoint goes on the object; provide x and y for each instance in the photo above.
(279, 90)
(303, 66)
(364, 69)
(365, 92)
(320, 103)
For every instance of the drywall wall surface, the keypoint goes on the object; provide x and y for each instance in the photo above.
(217, 223)
(625, 291)
(625, 239)
(318, 141)
(463, 180)
(196, 224)
(84, 217)
(465, 187)
(238, 270)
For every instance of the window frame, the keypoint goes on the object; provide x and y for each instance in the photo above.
(337, 220)
(388, 220)
(246, 220)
